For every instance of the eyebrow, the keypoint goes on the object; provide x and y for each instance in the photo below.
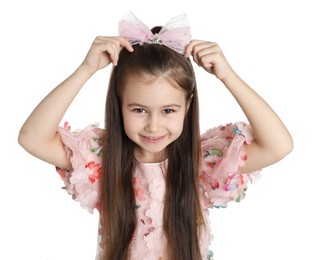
(133, 104)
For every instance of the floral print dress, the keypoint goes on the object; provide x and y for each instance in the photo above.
(220, 181)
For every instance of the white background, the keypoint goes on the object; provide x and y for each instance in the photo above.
(269, 43)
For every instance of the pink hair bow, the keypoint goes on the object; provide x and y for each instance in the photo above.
(175, 34)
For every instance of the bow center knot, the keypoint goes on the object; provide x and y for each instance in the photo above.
(154, 39)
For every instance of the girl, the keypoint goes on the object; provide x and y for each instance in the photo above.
(149, 173)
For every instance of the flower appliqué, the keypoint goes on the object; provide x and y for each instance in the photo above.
(157, 189)
(138, 188)
(95, 171)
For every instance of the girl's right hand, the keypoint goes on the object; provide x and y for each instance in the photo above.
(104, 50)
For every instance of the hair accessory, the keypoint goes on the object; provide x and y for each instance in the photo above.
(175, 34)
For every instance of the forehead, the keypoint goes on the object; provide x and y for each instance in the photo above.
(152, 89)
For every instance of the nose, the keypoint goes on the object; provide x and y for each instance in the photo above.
(152, 124)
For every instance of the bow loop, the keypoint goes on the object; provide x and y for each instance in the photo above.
(175, 34)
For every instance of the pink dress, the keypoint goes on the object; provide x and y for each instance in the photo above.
(221, 181)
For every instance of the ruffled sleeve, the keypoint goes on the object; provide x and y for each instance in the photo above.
(223, 153)
(84, 148)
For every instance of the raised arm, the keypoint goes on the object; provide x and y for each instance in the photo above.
(38, 134)
(272, 139)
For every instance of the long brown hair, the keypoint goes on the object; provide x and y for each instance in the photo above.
(182, 215)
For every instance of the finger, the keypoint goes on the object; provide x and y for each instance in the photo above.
(190, 47)
(113, 54)
(113, 47)
(116, 44)
(193, 49)
(125, 43)
(208, 61)
(202, 50)
(109, 48)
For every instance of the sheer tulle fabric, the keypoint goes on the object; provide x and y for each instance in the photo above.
(175, 34)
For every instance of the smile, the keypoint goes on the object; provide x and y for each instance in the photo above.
(152, 140)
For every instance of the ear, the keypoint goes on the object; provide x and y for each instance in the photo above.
(189, 102)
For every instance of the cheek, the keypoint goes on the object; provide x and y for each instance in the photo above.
(176, 125)
(131, 124)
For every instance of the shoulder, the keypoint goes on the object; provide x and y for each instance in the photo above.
(228, 132)
(82, 145)
(85, 151)
(223, 155)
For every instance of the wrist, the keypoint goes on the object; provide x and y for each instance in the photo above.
(85, 71)
(228, 76)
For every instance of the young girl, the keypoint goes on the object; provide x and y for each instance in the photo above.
(149, 173)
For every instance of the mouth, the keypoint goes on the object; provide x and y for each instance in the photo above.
(152, 139)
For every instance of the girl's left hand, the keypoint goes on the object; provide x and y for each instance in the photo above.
(209, 56)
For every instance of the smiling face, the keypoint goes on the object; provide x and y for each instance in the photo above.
(153, 111)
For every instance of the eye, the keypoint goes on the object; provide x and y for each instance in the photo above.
(139, 110)
(168, 111)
